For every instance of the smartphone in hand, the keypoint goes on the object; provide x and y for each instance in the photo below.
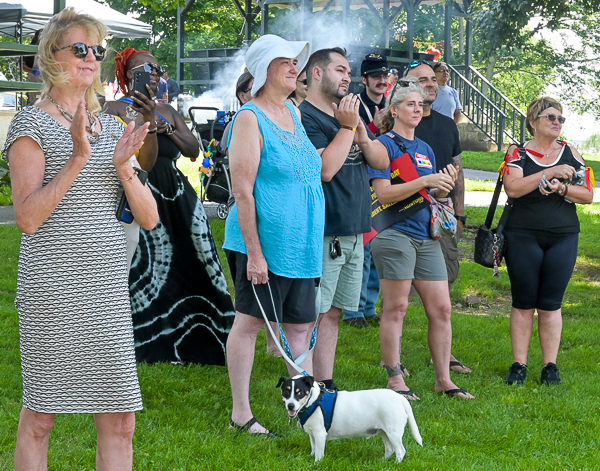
(140, 80)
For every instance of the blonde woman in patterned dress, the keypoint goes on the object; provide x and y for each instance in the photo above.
(67, 164)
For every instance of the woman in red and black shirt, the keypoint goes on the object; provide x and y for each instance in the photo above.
(542, 234)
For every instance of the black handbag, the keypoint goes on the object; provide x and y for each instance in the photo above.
(490, 244)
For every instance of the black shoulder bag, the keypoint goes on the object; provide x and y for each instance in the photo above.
(490, 244)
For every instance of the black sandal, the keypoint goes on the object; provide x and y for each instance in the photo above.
(246, 428)
(407, 394)
(454, 392)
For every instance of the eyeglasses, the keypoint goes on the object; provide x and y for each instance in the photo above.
(149, 67)
(553, 117)
(442, 71)
(80, 50)
(303, 82)
(246, 90)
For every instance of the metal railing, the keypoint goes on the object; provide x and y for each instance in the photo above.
(472, 85)
(480, 109)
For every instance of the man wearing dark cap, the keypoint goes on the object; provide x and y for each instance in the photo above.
(374, 73)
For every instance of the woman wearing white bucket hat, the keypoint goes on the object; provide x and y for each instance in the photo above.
(274, 232)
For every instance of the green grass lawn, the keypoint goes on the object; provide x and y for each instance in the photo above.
(187, 408)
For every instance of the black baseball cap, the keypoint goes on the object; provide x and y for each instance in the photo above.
(374, 64)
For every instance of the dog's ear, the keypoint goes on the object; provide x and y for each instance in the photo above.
(309, 381)
(281, 380)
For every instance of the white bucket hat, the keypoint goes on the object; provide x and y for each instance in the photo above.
(269, 47)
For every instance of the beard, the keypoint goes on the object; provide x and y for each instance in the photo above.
(328, 87)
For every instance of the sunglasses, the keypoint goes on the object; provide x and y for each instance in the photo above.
(246, 90)
(553, 117)
(303, 82)
(80, 50)
(401, 83)
(149, 67)
(417, 63)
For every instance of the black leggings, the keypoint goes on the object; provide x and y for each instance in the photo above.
(539, 268)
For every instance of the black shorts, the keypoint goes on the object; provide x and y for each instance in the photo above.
(539, 268)
(294, 298)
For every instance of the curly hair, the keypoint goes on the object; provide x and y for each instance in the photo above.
(536, 107)
(52, 39)
(404, 87)
(121, 60)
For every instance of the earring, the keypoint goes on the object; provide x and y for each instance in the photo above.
(394, 114)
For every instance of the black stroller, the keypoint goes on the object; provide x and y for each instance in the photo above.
(216, 182)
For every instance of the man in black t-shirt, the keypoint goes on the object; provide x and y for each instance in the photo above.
(441, 133)
(333, 125)
(374, 73)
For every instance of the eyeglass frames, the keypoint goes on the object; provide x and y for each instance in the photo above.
(80, 50)
(303, 82)
(149, 67)
(553, 117)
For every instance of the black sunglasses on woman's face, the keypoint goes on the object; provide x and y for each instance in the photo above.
(80, 50)
(149, 67)
(553, 117)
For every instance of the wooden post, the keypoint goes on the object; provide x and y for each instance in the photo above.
(249, 20)
(386, 23)
(264, 20)
(59, 5)
(410, 28)
(447, 31)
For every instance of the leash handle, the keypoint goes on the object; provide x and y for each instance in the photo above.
(287, 354)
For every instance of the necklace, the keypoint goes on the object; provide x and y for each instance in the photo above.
(131, 113)
(542, 152)
(69, 117)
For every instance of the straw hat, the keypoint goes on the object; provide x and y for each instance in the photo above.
(269, 47)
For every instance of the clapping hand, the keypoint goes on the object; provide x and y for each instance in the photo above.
(131, 141)
(347, 111)
(81, 144)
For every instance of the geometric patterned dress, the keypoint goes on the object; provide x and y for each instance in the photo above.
(182, 309)
(77, 353)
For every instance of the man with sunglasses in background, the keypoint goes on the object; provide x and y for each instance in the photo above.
(441, 133)
(330, 117)
(374, 73)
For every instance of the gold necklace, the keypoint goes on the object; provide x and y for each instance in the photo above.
(69, 117)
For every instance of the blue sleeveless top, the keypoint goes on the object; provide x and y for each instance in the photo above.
(290, 206)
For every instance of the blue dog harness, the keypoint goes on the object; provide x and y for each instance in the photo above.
(326, 401)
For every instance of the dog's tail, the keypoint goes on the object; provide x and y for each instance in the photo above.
(412, 423)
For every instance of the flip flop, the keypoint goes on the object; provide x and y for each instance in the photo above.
(460, 365)
(454, 392)
(246, 428)
(407, 394)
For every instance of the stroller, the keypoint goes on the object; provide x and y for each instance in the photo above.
(214, 171)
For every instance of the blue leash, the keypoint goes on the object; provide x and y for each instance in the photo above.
(285, 351)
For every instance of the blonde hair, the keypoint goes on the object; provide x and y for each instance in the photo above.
(52, 36)
(404, 87)
(536, 107)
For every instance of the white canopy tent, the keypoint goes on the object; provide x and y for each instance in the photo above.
(31, 15)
